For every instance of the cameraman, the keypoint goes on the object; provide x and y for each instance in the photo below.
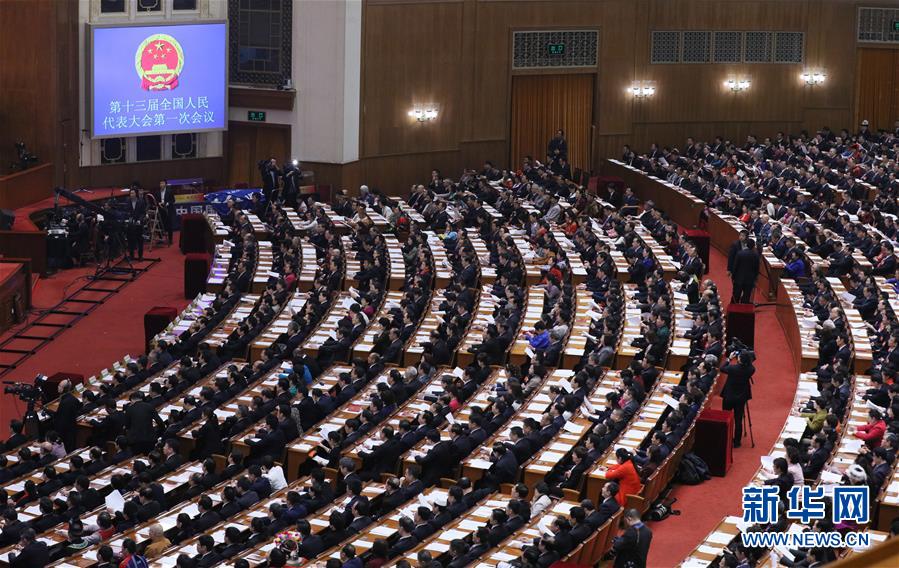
(292, 179)
(737, 389)
(271, 177)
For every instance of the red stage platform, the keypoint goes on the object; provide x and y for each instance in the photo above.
(27, 240)
(23, 214)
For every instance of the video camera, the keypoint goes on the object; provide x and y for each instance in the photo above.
(24, 158)
(26, 392)
(738, 348)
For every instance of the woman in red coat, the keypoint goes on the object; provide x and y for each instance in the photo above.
(625, 473)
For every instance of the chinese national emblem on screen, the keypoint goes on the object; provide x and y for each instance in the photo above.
(158, 62)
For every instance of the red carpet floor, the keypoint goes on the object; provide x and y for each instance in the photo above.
(703, 506)
(107, 334)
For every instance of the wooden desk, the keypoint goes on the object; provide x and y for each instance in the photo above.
(488, 273)
(663, 259)
(410, 211)
(366, 342)
(443, 270)
(511, 548)
(573, 433)
(480, 399)
(631, 329)
(575, 263)
(15, 291)
(710, 548)
(862, 353)
(340, 308)
(725, 230)
(680, 205)
(263, 271)
(318, 522)
(241, 311)
(218, 230)
(531, 264)
(431, 321)
(260, 230)
(477, 463)
(532, 313)
(396, 263)
(186, 318)
(468, 524)
(637, 430)
(410, 410)
(801, 329)
(581, 320)
(298, 450)
(480, 318)
(386, 527)
(277, 326)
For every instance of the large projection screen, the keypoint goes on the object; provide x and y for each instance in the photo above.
(158, 79)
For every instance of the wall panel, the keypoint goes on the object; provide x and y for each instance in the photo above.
(878, 88)
(148, 174)
(36, 93)
(249, 142)
(458, 53)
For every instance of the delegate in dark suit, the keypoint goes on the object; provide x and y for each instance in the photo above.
(744, 274)
(139, 421)
(137, 210)
(166, 199)
(65, 419)
(632, 547)
(35, 554)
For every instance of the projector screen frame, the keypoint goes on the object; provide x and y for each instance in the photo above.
(89, 67)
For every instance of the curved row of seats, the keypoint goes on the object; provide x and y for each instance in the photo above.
(802, 326)
(244, 416)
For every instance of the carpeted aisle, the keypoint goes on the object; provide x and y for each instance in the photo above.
(703, 506)
(113, 330)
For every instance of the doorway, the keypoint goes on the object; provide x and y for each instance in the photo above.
(248, 143)
(542, 104)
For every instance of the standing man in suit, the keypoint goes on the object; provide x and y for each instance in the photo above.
(557, 147)
(744, 272)
(271, 177)
(736, 247)
(292, 179)
(167, 206)
(140, 418)
(66, 416)
(632, 547)
(137, 210)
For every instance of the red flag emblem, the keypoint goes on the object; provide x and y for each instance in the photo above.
(158, 62)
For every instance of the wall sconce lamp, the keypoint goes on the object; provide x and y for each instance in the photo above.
(423, 114)
(641, 90)
(738, 85)
(813, 78)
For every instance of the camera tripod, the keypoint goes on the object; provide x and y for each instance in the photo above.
(114, 245)
(747, 425)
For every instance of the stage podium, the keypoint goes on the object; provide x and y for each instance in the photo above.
(741, 323)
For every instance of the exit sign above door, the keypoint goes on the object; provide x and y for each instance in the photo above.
(256, 115)
(555, 49)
